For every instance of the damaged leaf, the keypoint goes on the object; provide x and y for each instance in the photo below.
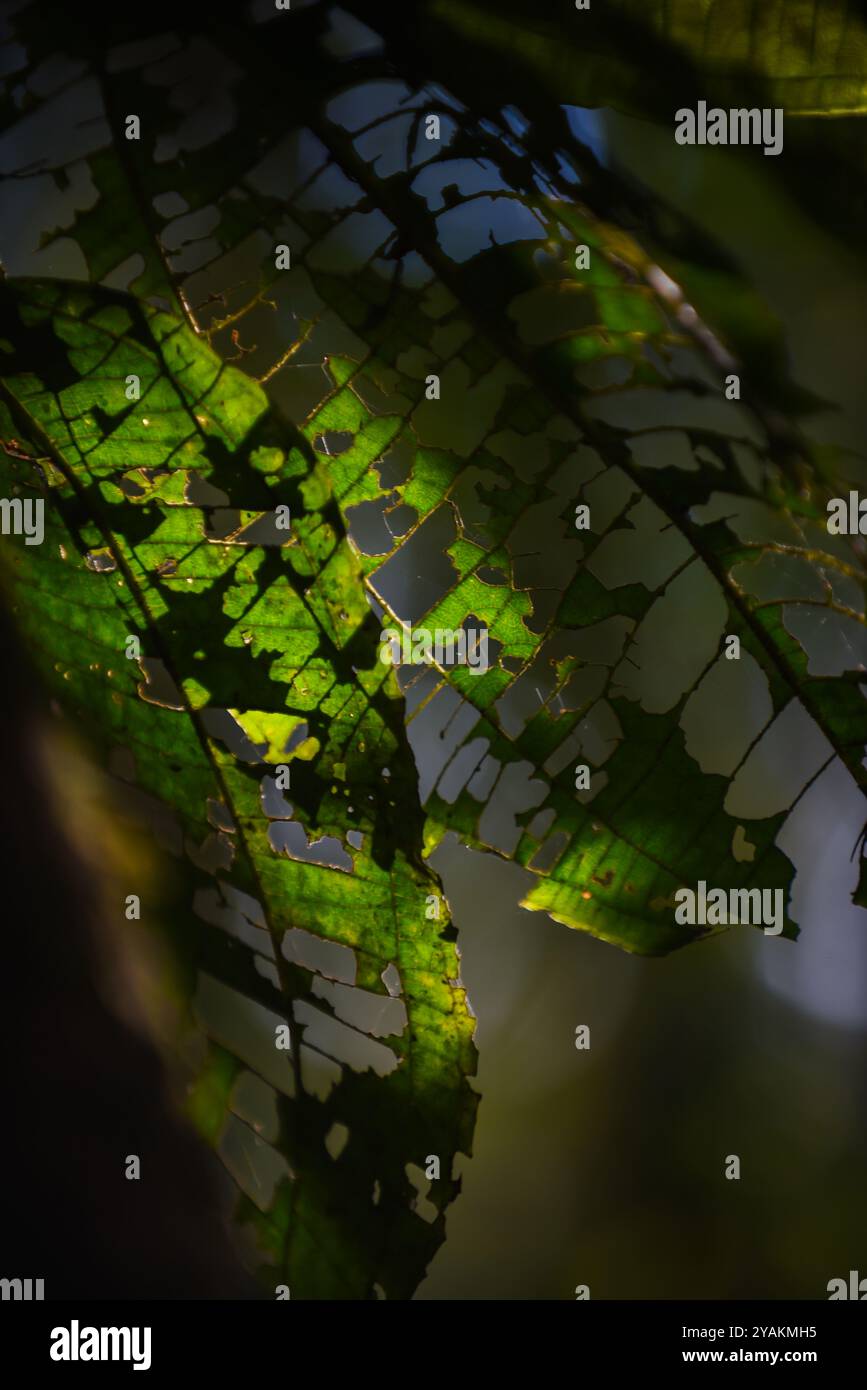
(328, 1227)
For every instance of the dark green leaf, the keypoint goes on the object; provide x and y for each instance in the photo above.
(280, 635)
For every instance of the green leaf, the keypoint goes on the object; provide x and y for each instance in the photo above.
(591, 387)
(809, 55)
(379, 1025)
